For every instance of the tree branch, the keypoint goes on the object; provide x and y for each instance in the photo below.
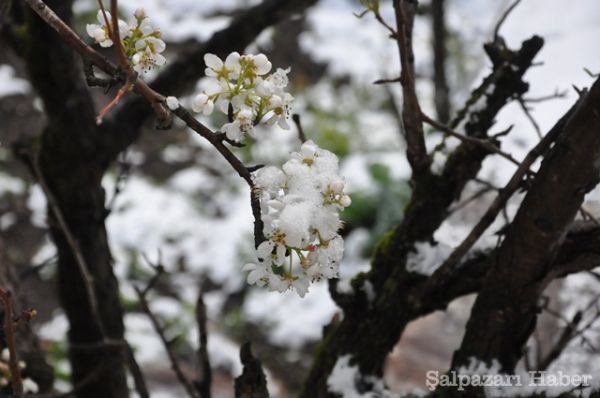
(413, 128)
(505, 312)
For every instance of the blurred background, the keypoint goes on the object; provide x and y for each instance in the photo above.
(174, 201)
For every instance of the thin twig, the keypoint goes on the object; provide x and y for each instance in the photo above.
(503, 18)
(156, 101)
(189, 388)
(234, 161)
(301, 135)
(557, 95)
(499, 202)
(116, 38)
(385, 81)
(565, 338)
(138, 377)
(473, 140)
(9, 334)
(95, 58)
(527, 112)
(589, 215)
(84, 270)
(205, 373)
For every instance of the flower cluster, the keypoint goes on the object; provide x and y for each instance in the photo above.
(300, 206)
(141, 41)
(245, 92)
(29, 386)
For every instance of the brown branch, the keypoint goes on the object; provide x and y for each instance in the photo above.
(411, 111)
(442, 92)
(485, 144)
(189, 66)
(187, 385)
(503, 18)
(505, 312)
(530, 117)
(500, 201)
(86, 276)
(136, 372)
(204, 381)
(116, 38)
(236, 163)
(95, 58)
(556, 95)
(157, 101)
(252, 383)
(565, 338)
(9, 334)
(301, 134)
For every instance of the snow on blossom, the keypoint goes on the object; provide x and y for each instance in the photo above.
(246, 93)
(300, 206)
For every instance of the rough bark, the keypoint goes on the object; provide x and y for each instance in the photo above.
(442, 94)
(369, 330)
(252, 383)
(72, 169)
(505, 312)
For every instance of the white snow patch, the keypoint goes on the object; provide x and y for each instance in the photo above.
(10, 83)
(427, 258)
(10, 184)
(294, 320)
(344, 378)
(36, 202)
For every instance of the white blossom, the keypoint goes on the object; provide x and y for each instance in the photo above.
(202, 104)
(300, 206)
(100, 32)
(141, 41)
(146, 60)
(247, 94)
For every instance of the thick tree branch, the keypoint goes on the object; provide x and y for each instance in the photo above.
(442, 92)
(411, 111)
(252, 383)
(505, 312)
(371, 328)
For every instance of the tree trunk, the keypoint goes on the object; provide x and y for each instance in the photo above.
(73, 170)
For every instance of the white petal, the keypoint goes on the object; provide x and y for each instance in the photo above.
(232, 61)
(282, 122)
(159, 59)
(208, 109)
(106, 43)
(263, 65)
(232, 130)
(91, 29)
(249, 267)
(281, 249)
(212, 61)
(264, 249)
(255, 275)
